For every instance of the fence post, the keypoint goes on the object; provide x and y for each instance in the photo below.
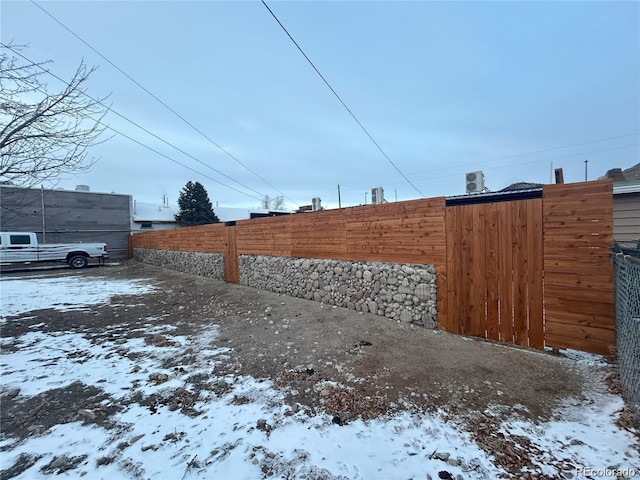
(231, 261)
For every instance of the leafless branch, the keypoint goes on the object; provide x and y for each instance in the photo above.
(44, 134)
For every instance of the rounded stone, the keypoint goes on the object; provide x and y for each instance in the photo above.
(367, 276)
(423, 291)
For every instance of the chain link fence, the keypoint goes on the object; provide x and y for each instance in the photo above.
(627, 289)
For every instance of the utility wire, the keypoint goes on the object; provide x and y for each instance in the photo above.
(161, 102)
(16, 52)
(484, 162)
(530, 162)
(41, 90)
(536, 152)
(340, 99)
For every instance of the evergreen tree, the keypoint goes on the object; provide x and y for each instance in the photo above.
(195, 206)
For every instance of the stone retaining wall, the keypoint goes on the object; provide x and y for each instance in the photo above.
(198, 263)
(406, 292)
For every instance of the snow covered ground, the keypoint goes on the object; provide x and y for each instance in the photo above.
(248, 431)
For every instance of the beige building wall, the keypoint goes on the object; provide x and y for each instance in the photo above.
(626, 216)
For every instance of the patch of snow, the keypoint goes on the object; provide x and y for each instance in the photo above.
(584, 358)
(248, 431)
(25, 294)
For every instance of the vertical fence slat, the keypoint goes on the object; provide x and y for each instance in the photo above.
(506, 272)
(454, 283)
(465, 257)
(478, 298)
(520, 295)
(493, 272)
(535, 274)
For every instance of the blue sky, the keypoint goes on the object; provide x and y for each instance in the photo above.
(444, 88)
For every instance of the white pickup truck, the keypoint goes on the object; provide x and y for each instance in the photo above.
(23, 247)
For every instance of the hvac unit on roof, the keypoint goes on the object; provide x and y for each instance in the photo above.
(377, 195)
(474, 182)
(316, 204)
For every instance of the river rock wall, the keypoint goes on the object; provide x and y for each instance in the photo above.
(198, 263)
(404, 292)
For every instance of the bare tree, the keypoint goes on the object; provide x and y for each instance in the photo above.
(269, 203)
(44, 134)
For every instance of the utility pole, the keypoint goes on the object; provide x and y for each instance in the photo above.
(585, 169)
(339, 202)
(44, 231)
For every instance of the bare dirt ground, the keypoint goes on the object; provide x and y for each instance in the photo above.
(382, 365)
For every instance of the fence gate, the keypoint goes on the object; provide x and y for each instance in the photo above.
(494, 274)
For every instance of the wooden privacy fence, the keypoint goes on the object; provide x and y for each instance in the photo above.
(532, 271)
(578, 274)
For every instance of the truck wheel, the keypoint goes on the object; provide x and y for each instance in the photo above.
(78, 261)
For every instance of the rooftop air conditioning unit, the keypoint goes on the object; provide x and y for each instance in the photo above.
(316, 204)
(475, 182)
(377, 195)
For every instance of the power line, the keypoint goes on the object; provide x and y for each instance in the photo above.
(162, 102)
(537, 151)
(340, 99)
(582, 154)
(133, 139)
(16, 52)
(484, 162)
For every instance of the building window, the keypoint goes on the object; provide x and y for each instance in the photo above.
(146, 225)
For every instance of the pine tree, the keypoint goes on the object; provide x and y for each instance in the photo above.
(195, 206)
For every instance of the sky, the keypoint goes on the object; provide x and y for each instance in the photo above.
(513, 89)
(223, 437)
